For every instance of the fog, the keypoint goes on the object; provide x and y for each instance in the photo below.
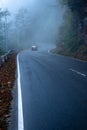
(35, 22)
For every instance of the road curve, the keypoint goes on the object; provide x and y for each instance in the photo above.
(54, 92)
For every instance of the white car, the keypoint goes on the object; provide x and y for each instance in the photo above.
(34, 48)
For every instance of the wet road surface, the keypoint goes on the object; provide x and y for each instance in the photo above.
(54, 91)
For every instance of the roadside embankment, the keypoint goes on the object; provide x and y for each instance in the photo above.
(80, 53)
(7, 78)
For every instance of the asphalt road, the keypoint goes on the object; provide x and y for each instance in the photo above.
(54, 91)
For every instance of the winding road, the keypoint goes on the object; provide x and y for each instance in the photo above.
(52, 92)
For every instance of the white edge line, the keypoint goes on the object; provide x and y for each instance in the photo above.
(20, 107)
(77, 72)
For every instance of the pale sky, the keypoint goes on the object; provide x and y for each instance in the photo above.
(12, 5)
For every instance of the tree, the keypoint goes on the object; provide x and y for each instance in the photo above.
(73, 27)
(22, 26)
(3, 27)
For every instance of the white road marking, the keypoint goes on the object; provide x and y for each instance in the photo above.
(20, 107)
(77, 72)
(48, 51)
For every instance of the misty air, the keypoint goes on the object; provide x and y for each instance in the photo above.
(43, 64)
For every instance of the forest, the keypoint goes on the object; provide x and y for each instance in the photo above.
(3, 29)
(74, 29)
(27, 29)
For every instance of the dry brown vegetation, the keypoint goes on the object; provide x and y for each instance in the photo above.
(7, 78)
